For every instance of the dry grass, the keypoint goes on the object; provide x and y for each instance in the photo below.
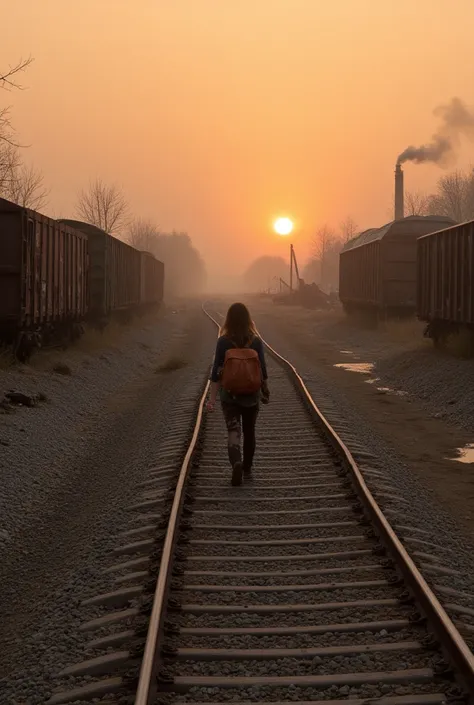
(95, 340)
(171, 365)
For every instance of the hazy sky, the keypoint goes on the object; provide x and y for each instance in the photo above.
(216, 116)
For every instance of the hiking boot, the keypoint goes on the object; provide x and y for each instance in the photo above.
(237, 474)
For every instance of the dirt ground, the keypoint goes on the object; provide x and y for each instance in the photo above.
(427, 444)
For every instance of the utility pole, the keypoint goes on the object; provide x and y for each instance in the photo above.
(291, 267)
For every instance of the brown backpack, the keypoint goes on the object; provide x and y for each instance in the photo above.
(242, 373)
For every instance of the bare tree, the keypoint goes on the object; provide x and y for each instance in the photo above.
(416, 203)
(9, 163)
(454, 196)
(27, 187)
(103, 206)
(8, 81)
(320, 242)
(348, 229)
(18, 182)
(326, 248)
(142, 234)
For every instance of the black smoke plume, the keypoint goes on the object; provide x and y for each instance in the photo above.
(456, 121)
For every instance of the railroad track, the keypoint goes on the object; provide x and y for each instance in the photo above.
(291, 588)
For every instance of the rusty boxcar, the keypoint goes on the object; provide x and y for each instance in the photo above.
(377, 269)
(114, 272)
(445, 281)
(152, 276)
(43, 277)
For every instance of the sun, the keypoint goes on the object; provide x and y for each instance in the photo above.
(283, 226)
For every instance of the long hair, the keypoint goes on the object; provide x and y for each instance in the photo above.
(238, 325)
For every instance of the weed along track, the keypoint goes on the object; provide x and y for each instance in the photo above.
(291, 588)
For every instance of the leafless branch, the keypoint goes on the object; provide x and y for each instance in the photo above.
(9, 163)
(326, 247)
(27, 188)
(7, 79)
(103, 206)
(454, 196)
(348, 229)
(416, 203)
(322, 240)
(142, 234)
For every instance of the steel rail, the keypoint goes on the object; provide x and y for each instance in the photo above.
(455, 649)
(149, 665)
(147, 678)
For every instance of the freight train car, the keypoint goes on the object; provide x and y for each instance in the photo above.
(43, 278)
(445, 281)
(152, 279)
(114, 273)
(377, 269)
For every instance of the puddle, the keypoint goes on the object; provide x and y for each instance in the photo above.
(466, 454)
(364, 368)
(389, 390)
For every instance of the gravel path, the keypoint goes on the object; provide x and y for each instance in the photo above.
(70, 471)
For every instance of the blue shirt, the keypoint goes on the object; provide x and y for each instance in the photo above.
(224, 344)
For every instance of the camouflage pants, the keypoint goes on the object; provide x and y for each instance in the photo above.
(240, 419)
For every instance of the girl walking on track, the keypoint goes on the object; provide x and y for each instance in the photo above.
(240, 373)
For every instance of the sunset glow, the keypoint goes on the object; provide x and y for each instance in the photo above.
(283, 226)
(211, 125)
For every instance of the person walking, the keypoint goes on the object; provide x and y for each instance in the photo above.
(239, 372)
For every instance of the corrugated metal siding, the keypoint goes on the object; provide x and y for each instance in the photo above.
(378, 269)
(114, 271)
(152, 279)
(123, 275)
(43, 271)
(360, 275)
(445, 267)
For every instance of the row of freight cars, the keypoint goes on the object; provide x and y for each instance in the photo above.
(56, 274)
(422, 265)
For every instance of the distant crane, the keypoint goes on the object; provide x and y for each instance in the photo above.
(294, 263)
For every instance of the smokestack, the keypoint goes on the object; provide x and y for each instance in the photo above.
(399, 205)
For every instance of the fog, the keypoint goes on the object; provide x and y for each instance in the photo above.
(214, 118)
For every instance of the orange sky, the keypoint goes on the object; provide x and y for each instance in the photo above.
(218, 115)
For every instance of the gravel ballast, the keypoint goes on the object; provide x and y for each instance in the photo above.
(415, 506)
(70, 472)
(221, 616)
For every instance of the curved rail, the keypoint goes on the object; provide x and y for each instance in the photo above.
(455, 646)
(451, 641)
(155, 628)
